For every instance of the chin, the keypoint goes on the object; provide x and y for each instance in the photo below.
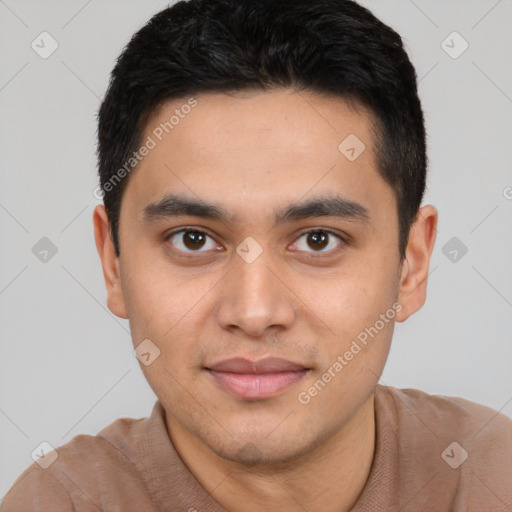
(253, 454)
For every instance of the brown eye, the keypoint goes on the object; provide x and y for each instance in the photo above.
(318, 240)
(193, 239)
(188, 240)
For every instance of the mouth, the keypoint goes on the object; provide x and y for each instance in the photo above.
(256, 380)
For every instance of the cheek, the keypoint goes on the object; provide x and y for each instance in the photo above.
(362, 318)
(358, 299)
(168, 307)
(361, 295)
(155, 298)
(164, 309)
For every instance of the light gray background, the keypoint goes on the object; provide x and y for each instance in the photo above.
(67, 365)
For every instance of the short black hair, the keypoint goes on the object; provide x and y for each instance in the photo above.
(330, 47)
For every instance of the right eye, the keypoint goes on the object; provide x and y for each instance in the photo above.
(190, 240)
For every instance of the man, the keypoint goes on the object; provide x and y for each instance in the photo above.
(263, 165)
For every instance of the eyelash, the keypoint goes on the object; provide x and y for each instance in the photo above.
(344, 240)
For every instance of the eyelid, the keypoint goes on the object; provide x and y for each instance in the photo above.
(189, 228)
(342, 236)
(184, 229)
(345, 238)
(344, 241)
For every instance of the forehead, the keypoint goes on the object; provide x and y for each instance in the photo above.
(252, 150)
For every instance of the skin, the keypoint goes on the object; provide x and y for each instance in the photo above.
(252, 152)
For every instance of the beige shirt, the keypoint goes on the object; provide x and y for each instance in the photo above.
(432, 453)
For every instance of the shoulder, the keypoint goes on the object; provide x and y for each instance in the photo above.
(86, 471)
(459, 415)
(36, 490)
(461, 448)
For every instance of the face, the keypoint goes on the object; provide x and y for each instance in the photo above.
(291, 253)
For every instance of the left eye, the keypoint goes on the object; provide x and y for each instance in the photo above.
(319, 239)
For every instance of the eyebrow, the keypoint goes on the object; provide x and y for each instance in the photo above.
(173, 205)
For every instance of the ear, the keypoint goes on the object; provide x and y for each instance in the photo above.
(109, 261)
(413, 279)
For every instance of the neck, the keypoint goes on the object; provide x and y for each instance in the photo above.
(329, 478)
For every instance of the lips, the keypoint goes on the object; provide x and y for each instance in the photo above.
(269, 365)
(256, 380)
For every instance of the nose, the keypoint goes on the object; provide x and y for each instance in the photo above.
(256, 297)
